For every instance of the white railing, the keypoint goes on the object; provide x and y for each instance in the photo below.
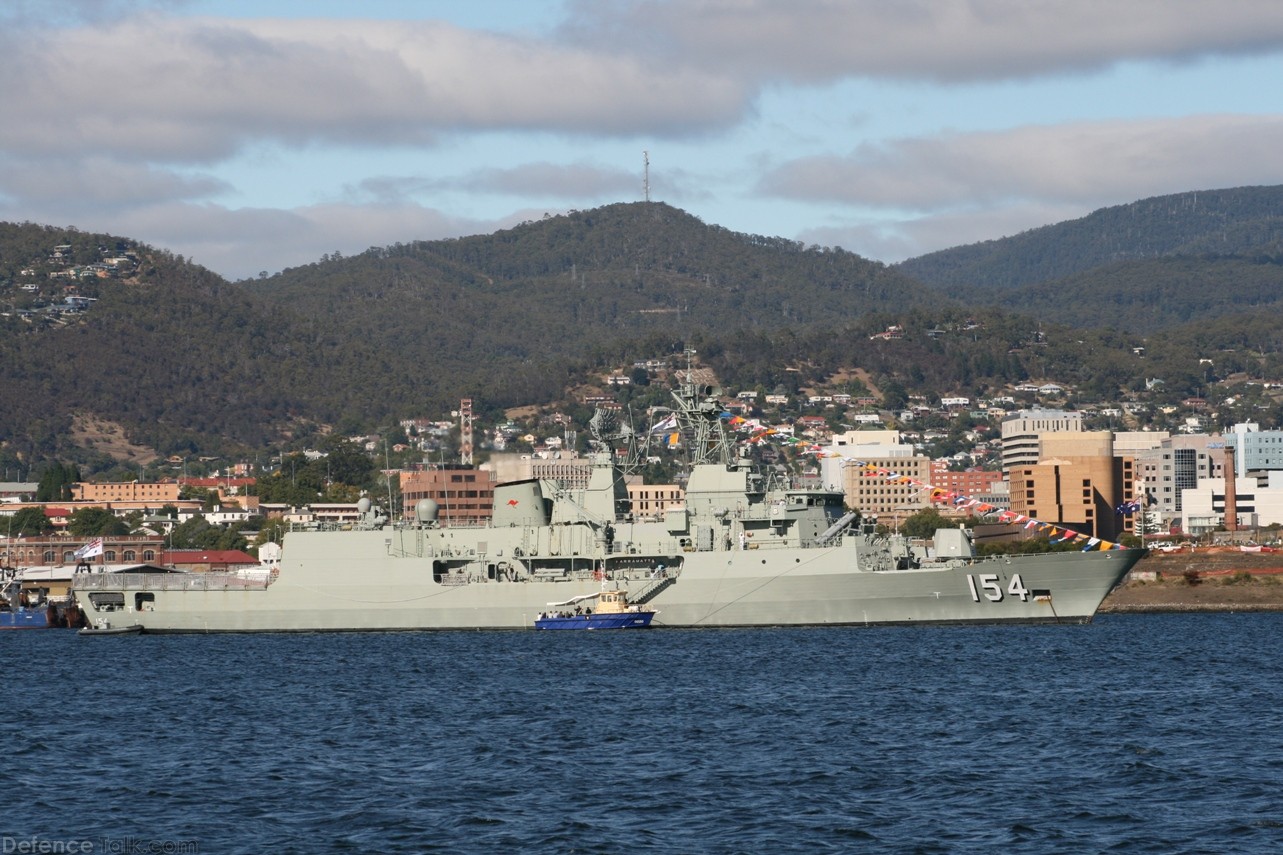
(166, 582)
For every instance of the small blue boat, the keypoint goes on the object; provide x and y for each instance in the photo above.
(612, 612)
(24, 618)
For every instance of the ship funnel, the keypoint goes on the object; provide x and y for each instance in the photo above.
(520, 503)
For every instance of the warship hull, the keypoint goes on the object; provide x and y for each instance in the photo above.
(328, 581)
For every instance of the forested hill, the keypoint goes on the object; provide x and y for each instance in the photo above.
(105, 340)
(174, 359)
(1241, 222)
(573, 283)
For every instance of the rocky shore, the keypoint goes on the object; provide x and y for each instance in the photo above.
(1204, 580)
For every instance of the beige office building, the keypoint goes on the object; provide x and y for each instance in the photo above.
(1079, 483)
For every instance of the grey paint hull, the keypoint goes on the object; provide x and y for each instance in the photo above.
(357, 581)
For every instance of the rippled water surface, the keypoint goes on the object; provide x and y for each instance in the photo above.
(1155, 733)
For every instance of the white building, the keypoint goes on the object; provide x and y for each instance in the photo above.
(1022, 434)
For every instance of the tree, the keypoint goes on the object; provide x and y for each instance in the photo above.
(923, 523)
(55, 483)
(199, 533)
(894, 396)
(86, 522)
(345, 463)
(30, 521)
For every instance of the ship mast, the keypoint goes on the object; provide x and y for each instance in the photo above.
(699, 415)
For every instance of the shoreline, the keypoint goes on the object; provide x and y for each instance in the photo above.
(1215, 580)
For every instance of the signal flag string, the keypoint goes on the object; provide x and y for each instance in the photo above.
(1056, 533)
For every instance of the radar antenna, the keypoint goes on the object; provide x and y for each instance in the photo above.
(611, 433)
(699, 415)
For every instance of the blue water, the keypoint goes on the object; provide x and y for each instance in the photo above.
(1156, 733)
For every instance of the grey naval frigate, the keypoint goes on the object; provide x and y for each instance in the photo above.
(743, 551)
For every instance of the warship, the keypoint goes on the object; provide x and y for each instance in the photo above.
(747, 549)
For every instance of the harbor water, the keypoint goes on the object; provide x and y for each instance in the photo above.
(1138, 733)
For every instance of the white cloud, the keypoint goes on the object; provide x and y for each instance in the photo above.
(138, 123)
(97, 184)
(238, 243)
(1086, 163)
(896, 239)
(940, 40)
(195, 91)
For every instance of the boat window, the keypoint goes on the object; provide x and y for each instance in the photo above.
(107, 601)
(145, 602)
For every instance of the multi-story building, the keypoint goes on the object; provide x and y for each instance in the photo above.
(1178, 464)
(1023, 432)
(463, 495)
(60, 550)
(652, 500)
(972, 482)
(1079, 494)
(1255, 450)
(127, 491)
(857, 463)
(565, 467)
(1078, 484)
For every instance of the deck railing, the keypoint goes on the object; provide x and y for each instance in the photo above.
(166, 582)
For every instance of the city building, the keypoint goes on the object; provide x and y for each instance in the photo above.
(1255, 450)
(1023, 432)
(652, 500)
(1079, 484)
(463, 495)
(1256, 504)
(856, 462)
(972, 482)
(60, 550)
(128, 491)
(1178, 464)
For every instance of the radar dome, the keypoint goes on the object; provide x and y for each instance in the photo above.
(425, 510)
(364, 505)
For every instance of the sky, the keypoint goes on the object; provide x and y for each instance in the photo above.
(255, 136)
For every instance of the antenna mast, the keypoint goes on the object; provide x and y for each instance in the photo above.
(465, 431)
(646, 175)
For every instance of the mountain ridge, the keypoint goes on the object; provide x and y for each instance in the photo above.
(185, 361)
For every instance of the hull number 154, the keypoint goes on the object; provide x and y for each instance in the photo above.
(990, 585)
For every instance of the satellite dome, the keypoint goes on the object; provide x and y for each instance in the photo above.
(364, 505)
(425, 510)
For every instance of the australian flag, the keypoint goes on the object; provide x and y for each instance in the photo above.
(1127, 508)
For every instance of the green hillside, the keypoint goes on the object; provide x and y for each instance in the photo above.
(118, 351)
(1234, 222)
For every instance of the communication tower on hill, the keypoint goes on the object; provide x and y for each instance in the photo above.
(646, 175)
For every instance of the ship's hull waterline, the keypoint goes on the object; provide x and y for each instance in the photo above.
(330, 586)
